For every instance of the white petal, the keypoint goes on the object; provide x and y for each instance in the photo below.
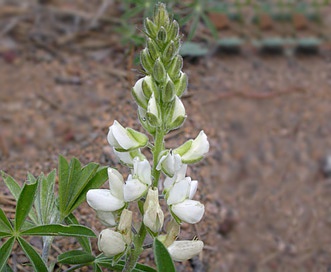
(122, 137)
(179, 175)
(115, 183)
(179, 191)
(124, 157)
(189, 211)
(183, 250)
(179, 109)
(107, 218)
(193, 188)
(199, 148)
(111, 242)
(103, 200)
(111, 139)
(142, 171)
(134, 189)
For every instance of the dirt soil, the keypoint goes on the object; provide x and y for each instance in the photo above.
(265, 182)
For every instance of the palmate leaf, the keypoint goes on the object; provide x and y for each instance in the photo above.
(163, 260)
(75, 181)
(33, 256)
(5, 251)
(24, 203)
(4, 222)
(59, 230)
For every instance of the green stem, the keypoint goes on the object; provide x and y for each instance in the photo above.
(136, 251)
(158, 147)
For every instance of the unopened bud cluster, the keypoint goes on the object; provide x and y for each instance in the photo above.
(160, 110)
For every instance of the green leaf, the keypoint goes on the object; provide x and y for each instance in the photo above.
(59, 230)
(84, 241)
(24, 203)
(33, 256)
(7, 268)
(4, 222)
(98, 179)
(12, 185)
(5, 251)
(163, 260)
(106, 262)
(45, 203)
(74, 182)
(75, 257)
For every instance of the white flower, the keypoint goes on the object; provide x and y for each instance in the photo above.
(183, 250)
(125, 139)
(111, 243)
(108, 200)
(181, 190)
(107, 218)
(153, 111)
(177, 116)
(193, 150)
(189, 211)
(179, 175)
(153, 214)
(126, 158)
(169, 163)
(137, 184)
(138, 94)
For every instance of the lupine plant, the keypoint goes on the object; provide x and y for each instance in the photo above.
(40, 212)
(160, 110)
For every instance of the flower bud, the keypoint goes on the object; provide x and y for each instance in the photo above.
(193, 150)
(111, 243)
(146, 61)
(142, 114)
(152, 49)
(183, 250)
(162, 34)
(181, 84)
(153, 112)
(126, 158)
(169, 163)
(124, 226)
(174, 69)
(172, 229)
(148, 86)
(189, 211)
(153, 214)
(173, 30)
(161, 17)
(177, 114)
(150, 28)
(168, 93)
(170, 51)
(159, 72)
(138, 94)
(125, 139)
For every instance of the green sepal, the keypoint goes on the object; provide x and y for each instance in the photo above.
(140, 98)
(141, 138)
(144, 122)
(169, 52)
(161, 17)
(162, 35)
(181, 84)
(174, 68)
(150, 28)
(168, 92)
(181, 150)
(148, 89)
(146, 61)
(153, 49)
(159, 72)
(173, 30)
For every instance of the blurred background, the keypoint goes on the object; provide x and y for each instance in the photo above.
(259, 86)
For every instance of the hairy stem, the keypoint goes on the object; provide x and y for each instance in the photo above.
(136, 251)
(158, 147)
(47, 242)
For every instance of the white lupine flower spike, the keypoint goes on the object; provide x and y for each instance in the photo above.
(160, 110)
